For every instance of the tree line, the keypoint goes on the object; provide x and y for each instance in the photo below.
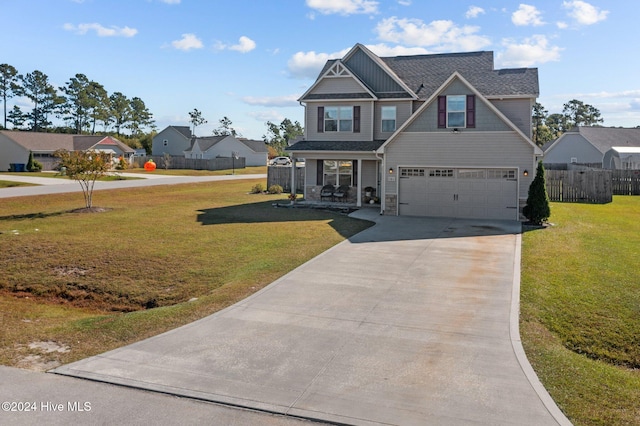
(548, 127)
(81, 103)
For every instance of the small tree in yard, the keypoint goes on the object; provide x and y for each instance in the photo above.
(85, 167)
(537, 209)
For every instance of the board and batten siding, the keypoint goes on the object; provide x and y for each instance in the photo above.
(372, 74)
(465, 149)
(366, 122)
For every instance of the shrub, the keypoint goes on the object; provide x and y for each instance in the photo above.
(257, 188)
(275, 189)
(537, 209)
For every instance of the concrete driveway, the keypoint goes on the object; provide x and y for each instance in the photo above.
(411, 322)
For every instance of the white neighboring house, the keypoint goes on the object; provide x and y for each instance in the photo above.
(622, 158)
(254, 152)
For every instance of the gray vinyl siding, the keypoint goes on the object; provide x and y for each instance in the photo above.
(486, 119)
(467, 149)
(366, 122)
(177, 143)
(572, 145)
(11, 152)
(369, 175)
(403, 112)
(518, 111)
(338, 85)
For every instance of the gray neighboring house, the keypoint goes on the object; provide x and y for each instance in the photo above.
(173, 140)
(433, 135)
(254, 152)
(16, 145)
(598, 147)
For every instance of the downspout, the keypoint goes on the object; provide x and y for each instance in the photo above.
(382, 182)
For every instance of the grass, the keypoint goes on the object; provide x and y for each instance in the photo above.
(11, 184)
(580, 310)
(160, 257)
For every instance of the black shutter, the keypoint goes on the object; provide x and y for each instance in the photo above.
(319, 172)
(356, 119)
(354, 167)
(471, 111)
(320, 119)
(442, 112)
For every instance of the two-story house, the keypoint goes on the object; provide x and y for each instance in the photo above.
(434, 135)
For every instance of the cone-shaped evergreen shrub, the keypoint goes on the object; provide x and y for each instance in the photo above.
(537, 209)
(30, 162)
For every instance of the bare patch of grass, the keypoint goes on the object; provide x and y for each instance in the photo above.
(161, 257)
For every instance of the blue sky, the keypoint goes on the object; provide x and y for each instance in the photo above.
(250, 60)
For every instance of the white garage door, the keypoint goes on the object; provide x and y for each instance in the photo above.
(464, 193)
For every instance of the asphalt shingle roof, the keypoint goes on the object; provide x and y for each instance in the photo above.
(49, 142)
(364, 146)
(604, 138)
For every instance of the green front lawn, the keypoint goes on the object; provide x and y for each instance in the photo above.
(158, 258)
(580, 310)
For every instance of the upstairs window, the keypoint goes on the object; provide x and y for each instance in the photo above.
(339, 119)
(456, 111)
(388, 114)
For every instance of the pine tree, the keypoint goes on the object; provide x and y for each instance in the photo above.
(537, 209)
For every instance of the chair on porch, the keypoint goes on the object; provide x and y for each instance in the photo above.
(341, 193)
(327, 192)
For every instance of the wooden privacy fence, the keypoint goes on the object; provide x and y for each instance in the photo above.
(281, 175)
(218, 163)
(593, 186)
(625, 182)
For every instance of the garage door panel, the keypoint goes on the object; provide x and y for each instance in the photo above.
(465, 193)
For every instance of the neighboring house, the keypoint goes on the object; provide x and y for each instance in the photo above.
(588, 146)
(173, 140)
(254, 152)
(434, 135)
(16, 145)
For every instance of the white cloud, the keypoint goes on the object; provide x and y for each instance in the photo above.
(534, 50)
(245, 44)
(277, 101)
(562, 25)
(474, 12)
(187, 42)
(344, 7)
(268, 115)
(100, 30)
(309, 64)
(527, 15)
(584, 13)
(404, 2)
(440, 35)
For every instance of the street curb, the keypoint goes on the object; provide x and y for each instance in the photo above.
(516, 342)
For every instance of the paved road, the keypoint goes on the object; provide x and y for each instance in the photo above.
(59, 186)
(411, 322)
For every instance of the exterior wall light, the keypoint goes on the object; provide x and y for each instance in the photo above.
(390, 170)
(526, 173)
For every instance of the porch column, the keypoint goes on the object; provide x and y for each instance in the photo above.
(293, 176)
(359, 192)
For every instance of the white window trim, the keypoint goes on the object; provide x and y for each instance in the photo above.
(382, 119)
(338, 120)
(463, 111)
